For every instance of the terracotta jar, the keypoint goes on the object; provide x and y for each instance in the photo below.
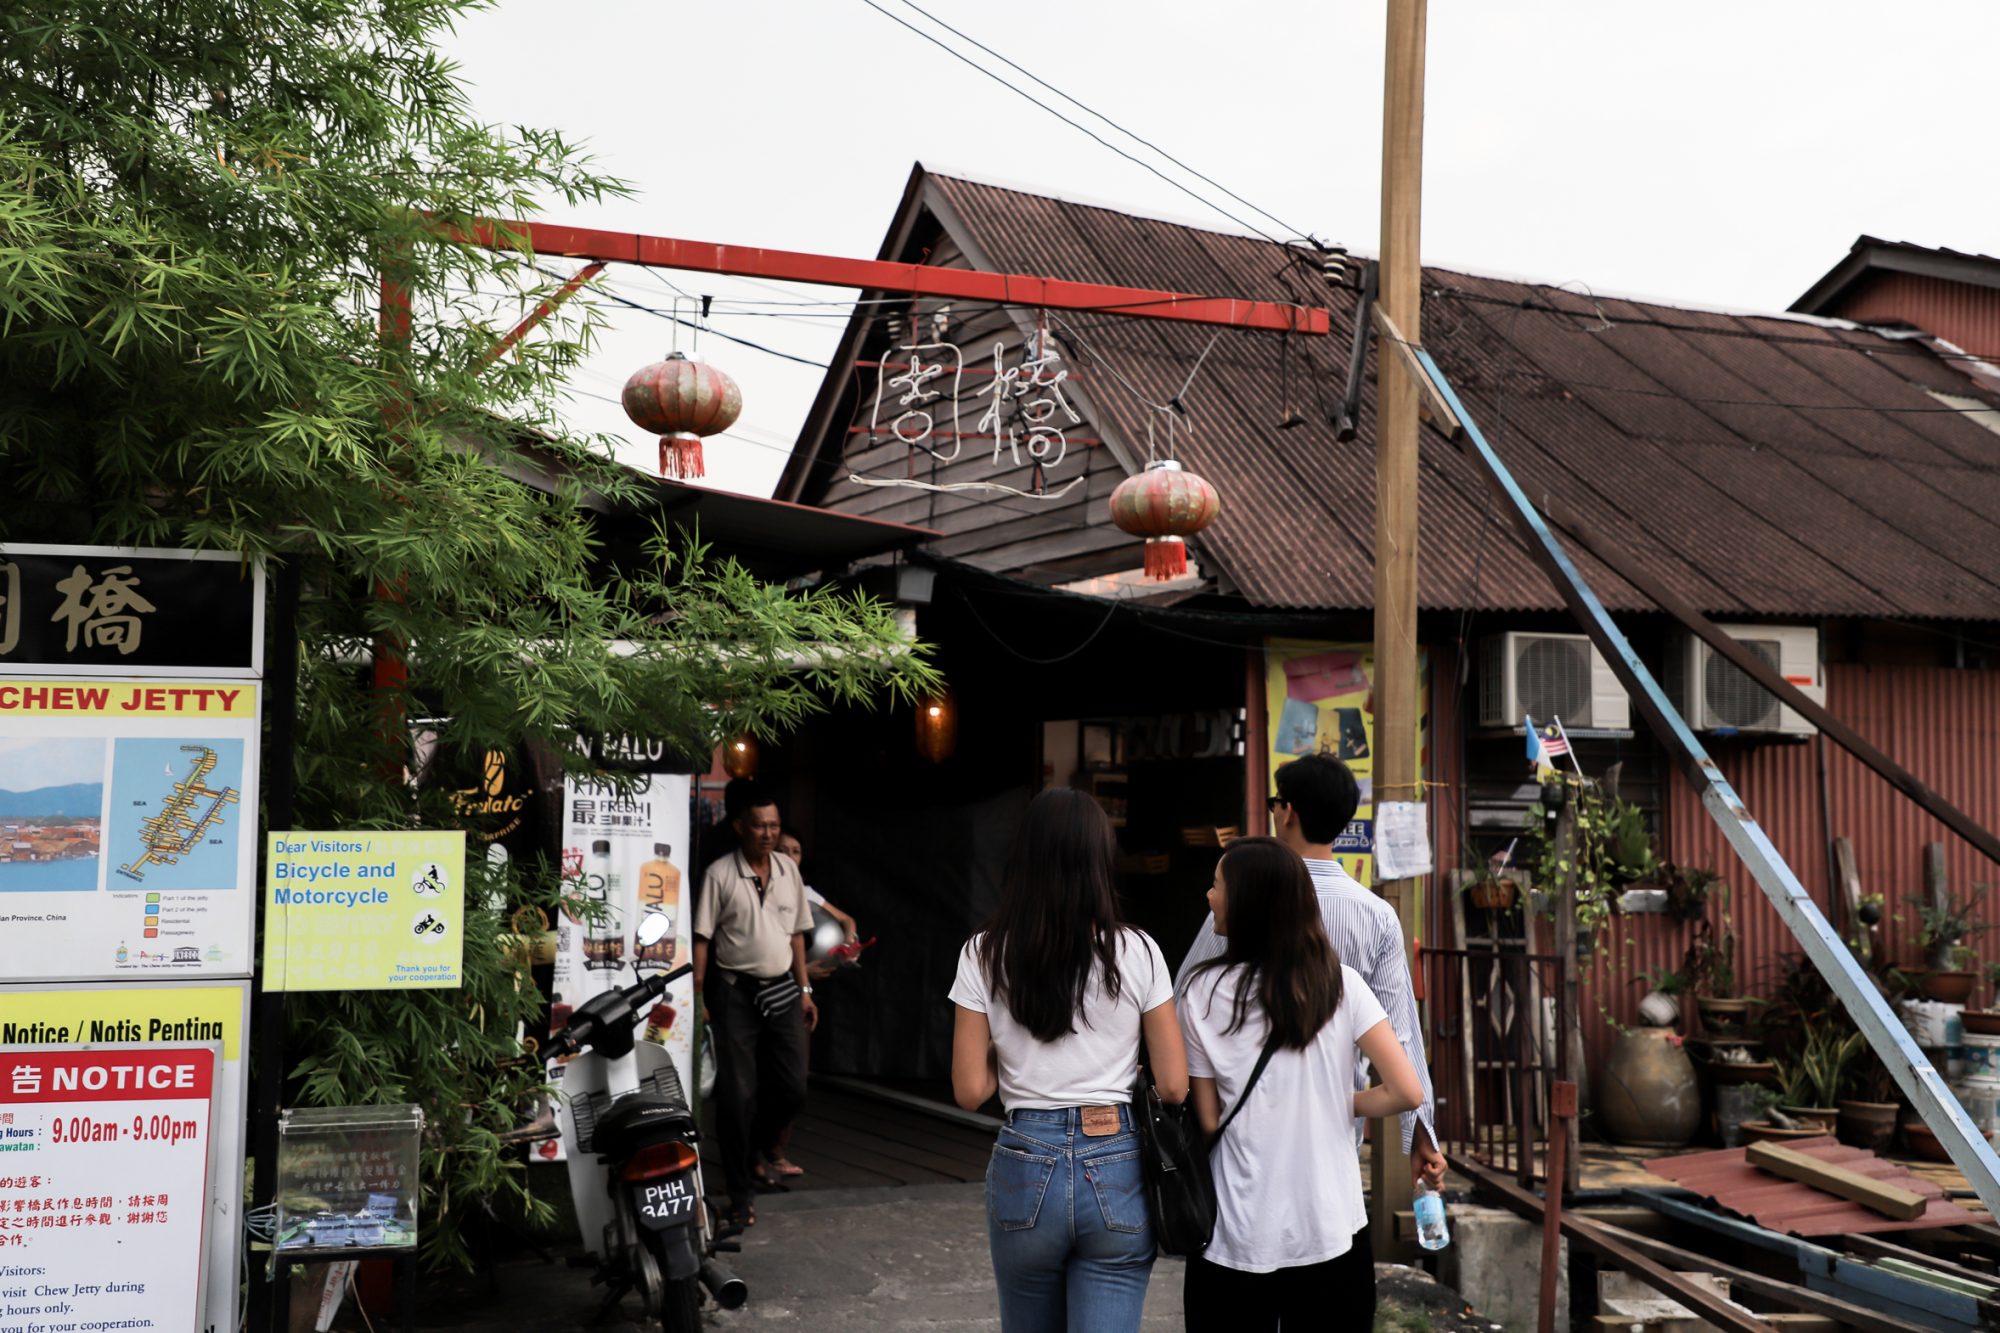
(1648, 1096)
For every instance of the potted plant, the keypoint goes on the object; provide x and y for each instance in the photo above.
(1943, 929)
(1493, 891)
(1869, 1108)
(1687, 890)
(1612, 848)
(1809, 1084)
(1710, 969)
(1986, 1022)
(1870, 910)
(1660, 1007)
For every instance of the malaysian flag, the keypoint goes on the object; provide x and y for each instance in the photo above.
(1554, 742)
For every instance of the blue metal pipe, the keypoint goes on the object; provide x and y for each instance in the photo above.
(1891, 1041)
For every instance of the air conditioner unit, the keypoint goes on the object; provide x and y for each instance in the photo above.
(1546, 676)
(1714, 694)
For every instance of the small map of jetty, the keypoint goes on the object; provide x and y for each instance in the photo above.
(174, 815)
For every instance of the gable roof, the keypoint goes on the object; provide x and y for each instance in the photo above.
(1870, 255)
(1757, 465)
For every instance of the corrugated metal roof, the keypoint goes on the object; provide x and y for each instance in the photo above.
(1794, 1209)
(1755, 465)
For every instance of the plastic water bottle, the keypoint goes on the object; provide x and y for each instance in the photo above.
(1432, 1233)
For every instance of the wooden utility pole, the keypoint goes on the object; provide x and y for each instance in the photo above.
(1396, 512)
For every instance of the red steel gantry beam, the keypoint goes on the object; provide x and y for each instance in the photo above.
(624, 247)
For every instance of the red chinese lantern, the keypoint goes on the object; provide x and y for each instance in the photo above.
(680, 401)
(1164, 504)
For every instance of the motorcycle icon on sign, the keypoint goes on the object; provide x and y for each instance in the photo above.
(427, 924)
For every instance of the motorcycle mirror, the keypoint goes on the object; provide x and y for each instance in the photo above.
(653, 928)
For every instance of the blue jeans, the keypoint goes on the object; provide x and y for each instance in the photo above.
(1066, 1218)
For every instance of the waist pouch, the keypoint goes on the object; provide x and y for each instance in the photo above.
(773, 996)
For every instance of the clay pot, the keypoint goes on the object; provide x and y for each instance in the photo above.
(1648, 1096)
(1759, 1131)
(1492, 895)
(1725, 1016)
(1924, 1143)
(1820, 1119)
(1948, 987)
(1981, 1022)
(1870, 1125)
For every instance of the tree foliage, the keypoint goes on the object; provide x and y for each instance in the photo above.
(198, 201)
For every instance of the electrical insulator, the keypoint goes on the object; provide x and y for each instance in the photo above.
(1333, 265)
(894, 324)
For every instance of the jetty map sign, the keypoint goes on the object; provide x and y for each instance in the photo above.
(104, 1174)
(127, 815)
(365, 910)
(129, 611)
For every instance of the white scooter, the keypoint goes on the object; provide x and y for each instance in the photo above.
(635, 1166)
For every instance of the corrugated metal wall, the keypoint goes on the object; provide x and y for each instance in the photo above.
(1942, 724)
(1959, 312)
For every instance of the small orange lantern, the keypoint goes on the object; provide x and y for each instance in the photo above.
(937, 727)
(681, 401)
(1164, 504)
(739, 756)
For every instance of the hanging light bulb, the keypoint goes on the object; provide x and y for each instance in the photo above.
(937, 727)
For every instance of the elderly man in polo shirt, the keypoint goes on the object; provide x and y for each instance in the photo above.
(750, 966)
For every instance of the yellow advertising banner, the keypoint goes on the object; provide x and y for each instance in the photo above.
(1320, 699)
(127, 698)
(364, 911)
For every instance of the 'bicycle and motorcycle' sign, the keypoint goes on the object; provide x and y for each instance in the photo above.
(364, 911)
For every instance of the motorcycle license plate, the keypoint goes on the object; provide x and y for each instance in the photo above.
(670, 1201)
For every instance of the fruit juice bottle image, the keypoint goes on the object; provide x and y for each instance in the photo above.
(660, 1022)
(604, 933)
(660, 891)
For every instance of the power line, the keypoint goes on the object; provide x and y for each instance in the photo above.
(1282, 224)
(672, 318)
(956, 54)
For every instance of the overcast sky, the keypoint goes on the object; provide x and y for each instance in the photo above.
(1719, 152)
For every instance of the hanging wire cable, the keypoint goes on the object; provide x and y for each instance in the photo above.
(1022, 93)
(691, 324)
(1136, 138)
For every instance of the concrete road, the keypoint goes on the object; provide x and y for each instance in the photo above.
(871, 1261)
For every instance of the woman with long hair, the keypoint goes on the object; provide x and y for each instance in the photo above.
(1053, 998)
(1285, 1253)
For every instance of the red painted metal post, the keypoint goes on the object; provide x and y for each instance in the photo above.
(542, 311)
(883, 275)
(1562, 1110)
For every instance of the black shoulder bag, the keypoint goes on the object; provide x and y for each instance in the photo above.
(1180, 1192)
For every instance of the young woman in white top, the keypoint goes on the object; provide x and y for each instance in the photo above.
(1290, 1247)
(1052, 1000)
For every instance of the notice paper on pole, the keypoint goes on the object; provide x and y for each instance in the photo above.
(367, 910)
(104, 1162)
(1402, 840)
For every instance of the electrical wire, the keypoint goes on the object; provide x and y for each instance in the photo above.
(1136, 138)
(1022, 93)
(1088, 639)
(690, 324)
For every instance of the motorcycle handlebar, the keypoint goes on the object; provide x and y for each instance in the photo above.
(583, 1027)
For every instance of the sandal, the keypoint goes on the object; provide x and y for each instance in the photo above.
(738, 1217)
(785, 1169)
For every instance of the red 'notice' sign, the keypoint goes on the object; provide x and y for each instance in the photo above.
(103, 1186)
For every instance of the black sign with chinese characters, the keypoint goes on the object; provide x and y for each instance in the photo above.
(101, 610)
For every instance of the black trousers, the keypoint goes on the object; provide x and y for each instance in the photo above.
(1338, 1293)
(760, 1074)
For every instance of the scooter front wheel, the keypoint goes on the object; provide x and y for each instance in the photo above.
(680, 1305)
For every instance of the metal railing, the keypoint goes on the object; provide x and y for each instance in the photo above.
(1496, 1019)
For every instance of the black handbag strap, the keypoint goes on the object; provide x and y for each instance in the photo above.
(1263, 1059)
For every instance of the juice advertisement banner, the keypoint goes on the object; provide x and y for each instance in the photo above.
(1320, 699)
(367, 910)
(155, 1018)
(127, 817)
(625, 854)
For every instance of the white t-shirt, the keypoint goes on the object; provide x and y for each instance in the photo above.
(1092, 1066)
(1287, 1176)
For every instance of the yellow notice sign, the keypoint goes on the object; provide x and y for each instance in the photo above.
(127, 698)
(364, 911)
(166, 1014)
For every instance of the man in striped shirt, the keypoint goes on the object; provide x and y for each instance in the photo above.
(1316, 800)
